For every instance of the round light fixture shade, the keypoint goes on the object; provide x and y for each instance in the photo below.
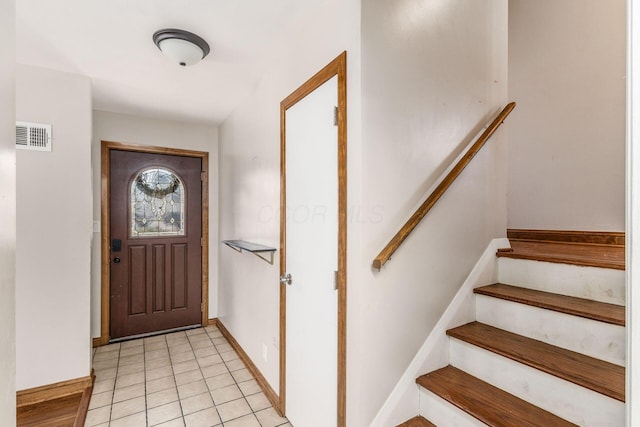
(183, 47)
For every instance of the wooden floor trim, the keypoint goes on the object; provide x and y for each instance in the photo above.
(85, 401)
(260, 379)
(60, 412)
(53, 391)
(61, 404)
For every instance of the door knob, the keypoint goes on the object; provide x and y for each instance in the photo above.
(116, 260)
(285, 278)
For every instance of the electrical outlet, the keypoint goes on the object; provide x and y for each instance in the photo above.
(265, 349)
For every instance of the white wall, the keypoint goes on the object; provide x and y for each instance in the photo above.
(7, 214)
(250, 173)
(567, 136)
(53, 230)
(160, 133)
(433, 73)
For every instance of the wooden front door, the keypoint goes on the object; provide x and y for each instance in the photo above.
(155, 248)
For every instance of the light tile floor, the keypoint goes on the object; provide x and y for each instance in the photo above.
(192, 378)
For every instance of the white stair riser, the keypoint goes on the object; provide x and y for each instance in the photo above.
(562, 398)
(591, 337)
(599, 284)
(442, 413)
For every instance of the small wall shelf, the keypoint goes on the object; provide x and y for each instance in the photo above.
(263, 252)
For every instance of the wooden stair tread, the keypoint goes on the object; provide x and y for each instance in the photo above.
(416, 422)
(59, 412)
(604, 312)
(594, 374)
(589, 255)
(489, 404)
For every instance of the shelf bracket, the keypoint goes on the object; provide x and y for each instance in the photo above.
(265, 253)
(261, 256)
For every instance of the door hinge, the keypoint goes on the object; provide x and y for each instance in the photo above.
(335, 280)
(203, 176)
(201, 241)
(335, 116)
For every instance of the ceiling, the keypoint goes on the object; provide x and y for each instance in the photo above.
(111, 43)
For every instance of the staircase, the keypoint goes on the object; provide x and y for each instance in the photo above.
(547, 348)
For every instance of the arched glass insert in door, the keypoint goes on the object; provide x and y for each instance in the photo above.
(157, 204)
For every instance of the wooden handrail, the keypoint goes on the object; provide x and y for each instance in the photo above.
(420, 213)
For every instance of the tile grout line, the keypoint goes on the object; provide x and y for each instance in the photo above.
(174, 379)
(115, 380)
(131, 385)
(144, 370)
(227, 368)
(222, 423)
(202, 373)
(234, 380)
(238, 384)
(215, 406)
(226, 363)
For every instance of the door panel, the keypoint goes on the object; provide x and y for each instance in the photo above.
(312, 258)
(156, 212)
(179, 267)
(159, 282)
(137, 274)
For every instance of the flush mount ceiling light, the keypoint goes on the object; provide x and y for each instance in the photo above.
(183, 47)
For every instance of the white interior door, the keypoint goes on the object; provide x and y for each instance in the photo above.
(312, 258)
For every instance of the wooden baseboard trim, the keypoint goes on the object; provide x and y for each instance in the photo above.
(212, 322)
(261, 380)
(54, 391)
(60, 404)
(83, 409)
(608, 238)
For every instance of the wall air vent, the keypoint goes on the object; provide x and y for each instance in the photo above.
(33, 136)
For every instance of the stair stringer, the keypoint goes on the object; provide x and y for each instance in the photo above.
(403, 401)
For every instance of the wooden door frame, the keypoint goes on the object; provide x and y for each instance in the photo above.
(105, 228)
(337, 67)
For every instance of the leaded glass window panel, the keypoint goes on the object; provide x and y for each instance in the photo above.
(157, 204)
